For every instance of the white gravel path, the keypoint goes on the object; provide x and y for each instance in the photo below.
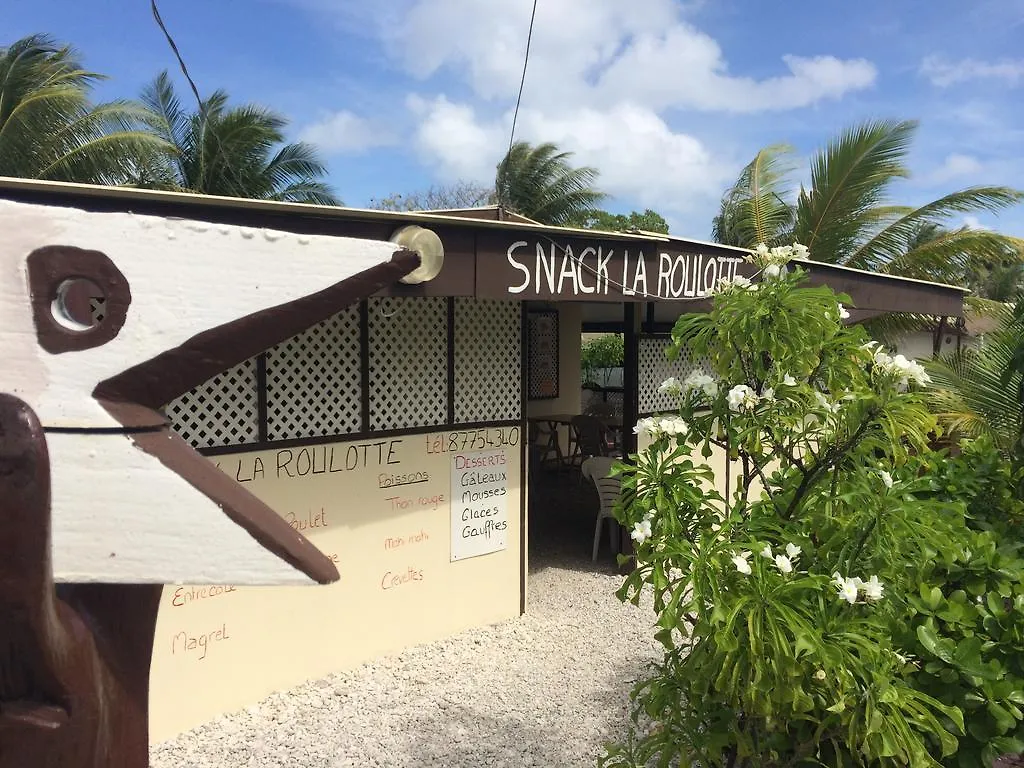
(547, 689)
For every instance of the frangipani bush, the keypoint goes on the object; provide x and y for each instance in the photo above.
(778, 583)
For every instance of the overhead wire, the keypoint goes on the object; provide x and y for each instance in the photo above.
(519, 98)
(240, 191)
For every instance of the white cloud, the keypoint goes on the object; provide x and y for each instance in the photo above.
(955, 166)
(607, 80)
(346, 132)
(945, 73)
(452, 138)
(592, 52)
(601, 75)
(639, 156)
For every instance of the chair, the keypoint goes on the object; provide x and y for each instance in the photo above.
(591, 438)
(597, 469)
(600, 409)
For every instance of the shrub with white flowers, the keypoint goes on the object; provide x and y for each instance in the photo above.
(786, 657)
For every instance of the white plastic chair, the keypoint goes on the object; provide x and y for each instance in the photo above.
(597, 469)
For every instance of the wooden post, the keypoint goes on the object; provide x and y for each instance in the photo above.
(630, 394)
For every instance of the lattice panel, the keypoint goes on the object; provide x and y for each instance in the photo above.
(408, 362)
(655, 367)
(313, 381)
(220, 411)
(488, 383)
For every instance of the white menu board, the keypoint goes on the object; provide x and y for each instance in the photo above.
(479, 503)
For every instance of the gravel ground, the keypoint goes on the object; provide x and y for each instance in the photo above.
(547, 689)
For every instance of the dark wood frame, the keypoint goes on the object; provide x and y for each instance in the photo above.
(534, 390)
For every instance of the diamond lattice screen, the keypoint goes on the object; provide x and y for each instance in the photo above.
(408, 362)
(488, 383)
(220, 411)
(313, 381)
(655, 367)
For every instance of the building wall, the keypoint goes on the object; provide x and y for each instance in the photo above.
(220, 649)
(919, 345)
(362, 432)
(570, 325)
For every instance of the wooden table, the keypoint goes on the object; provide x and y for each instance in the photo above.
(548, 426)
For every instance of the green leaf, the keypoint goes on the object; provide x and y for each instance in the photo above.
(939, 647)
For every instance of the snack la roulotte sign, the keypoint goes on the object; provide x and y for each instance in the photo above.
(603, 270)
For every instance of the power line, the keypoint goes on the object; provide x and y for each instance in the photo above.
(177, 53)
(202, 113)
(522, 82)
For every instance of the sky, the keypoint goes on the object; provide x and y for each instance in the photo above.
(668, 99)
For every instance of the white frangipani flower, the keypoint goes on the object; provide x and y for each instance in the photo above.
(737, 281)
(670, 386)
(850, 588)
(793, 551)
(872, 589)
(660, 426)
(779, 256)
(741, 398)
(641, 531)
(886, 478)
(902, 369)
(824, 403)
(741, 562)
(783, 563)
(698, 380)
(847, 589)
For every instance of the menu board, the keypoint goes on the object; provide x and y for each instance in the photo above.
(389, 513)
(479, 505)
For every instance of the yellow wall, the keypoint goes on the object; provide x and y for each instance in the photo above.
(220, 649)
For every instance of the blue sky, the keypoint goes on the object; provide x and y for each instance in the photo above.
(668, 99)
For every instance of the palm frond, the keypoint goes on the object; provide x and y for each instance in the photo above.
(754, 210)
(540, 182)
(892, 241)
(977, 391)
(849, 178)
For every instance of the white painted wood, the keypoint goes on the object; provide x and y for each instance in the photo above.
(119, 515)
(185, 277)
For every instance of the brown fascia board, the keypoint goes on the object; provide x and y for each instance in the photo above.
(870, 291)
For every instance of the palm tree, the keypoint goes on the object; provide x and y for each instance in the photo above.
(230, 151)
(980, 392)
(50, 130)
(540, 183)
(845, 216)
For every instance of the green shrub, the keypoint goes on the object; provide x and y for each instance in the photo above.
(824, 609)
(600, 354)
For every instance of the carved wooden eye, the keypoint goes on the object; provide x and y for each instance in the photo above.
(79, 298)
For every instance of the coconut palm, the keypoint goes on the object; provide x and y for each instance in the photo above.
(230, 151)
(50, 130)
(540, 183)
(980, 392)
(846, 217)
